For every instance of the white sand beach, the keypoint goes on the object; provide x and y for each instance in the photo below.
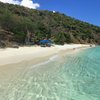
(13, 55)
(17, 66)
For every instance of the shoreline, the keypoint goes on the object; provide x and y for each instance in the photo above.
(13, 56)
(15, 61)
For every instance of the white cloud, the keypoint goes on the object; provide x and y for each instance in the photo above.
(29, 4)
(26, 3)
(10, 1)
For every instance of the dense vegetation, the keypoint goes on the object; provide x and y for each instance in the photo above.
(20, 25)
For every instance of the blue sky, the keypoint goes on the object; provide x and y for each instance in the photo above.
(85, 10)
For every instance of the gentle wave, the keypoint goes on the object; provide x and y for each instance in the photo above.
(53, 58)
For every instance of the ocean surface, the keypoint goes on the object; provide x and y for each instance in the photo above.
(75, 76)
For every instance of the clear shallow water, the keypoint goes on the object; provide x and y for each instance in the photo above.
(75, 77)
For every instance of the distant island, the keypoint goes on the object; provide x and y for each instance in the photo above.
(24, 26)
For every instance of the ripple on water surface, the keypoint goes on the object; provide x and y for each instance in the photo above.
(74, 77)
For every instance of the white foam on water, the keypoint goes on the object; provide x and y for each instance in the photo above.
(51, 59)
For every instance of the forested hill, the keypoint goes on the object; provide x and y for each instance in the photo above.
(20, 25)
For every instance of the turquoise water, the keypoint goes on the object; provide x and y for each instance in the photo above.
(71, 77)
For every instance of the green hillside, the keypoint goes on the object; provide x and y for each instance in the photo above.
(23, 26)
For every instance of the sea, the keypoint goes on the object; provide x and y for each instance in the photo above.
(74, 76)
